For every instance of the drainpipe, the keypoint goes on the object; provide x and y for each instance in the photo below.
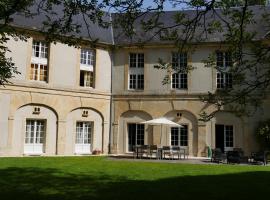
(111, 99)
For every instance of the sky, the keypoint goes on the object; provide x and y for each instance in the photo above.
(167, 5)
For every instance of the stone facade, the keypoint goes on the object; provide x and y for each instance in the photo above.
(61, 101)
(110, 105)
(183, 106)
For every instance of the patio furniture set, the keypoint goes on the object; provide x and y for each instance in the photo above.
(237, 156)
(165, 152)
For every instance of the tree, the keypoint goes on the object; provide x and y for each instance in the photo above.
(263, 133)
(58, 22)
(248, 51)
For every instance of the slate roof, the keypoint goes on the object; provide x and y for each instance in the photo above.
(116, 36)
(167, 18)
(104, 35)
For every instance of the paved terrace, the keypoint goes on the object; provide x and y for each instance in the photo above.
(189, 160)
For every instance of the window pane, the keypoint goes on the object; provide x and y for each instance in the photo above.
(219, 55)
(87, 57)
(132, 81)
(184, 135)
(132, 60)
(229, 136)
(40, 49)
(140, 134)
(140, 81)
(35, 132)
(140, 60)
(86, 78)
(179, 61)
(228, 59)
(174, 136)
(83, 132)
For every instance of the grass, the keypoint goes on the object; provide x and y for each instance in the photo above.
(100, 178)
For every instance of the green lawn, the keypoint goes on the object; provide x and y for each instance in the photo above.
(100, 178)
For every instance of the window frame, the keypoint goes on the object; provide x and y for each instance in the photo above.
(88, 67)
(27, 140)
(181, 79)
(39, 61)
(232, 137)
(140, 134)
(89, 138)
(179, 136)
(224, 79)
(136, 71)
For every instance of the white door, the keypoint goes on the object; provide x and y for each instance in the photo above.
(83, 138)
(34, 137)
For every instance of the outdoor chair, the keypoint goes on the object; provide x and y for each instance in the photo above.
(145, 150)
(176, 151)
(236, 156)
(167, 151)
(153, 150)
(263, 157)
(137, 152)
(218, 156)
(185, 152)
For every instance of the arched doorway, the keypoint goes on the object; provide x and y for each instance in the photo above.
(34, 130)
(187, 135)
(84, 132)
(228, 131)
(132, 132)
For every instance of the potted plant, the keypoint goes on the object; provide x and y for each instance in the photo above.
(96, 152)
(263, 134)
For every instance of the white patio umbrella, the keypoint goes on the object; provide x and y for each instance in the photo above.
(161, 121)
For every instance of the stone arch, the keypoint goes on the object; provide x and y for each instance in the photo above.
(188, 118)
(97, 135)
(227, 118)
(25, 112)
(132, 116)
(40, 105)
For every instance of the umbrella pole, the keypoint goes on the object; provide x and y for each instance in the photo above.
(160, 135)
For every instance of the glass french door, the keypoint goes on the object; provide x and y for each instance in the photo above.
(83, 137)
(224, 137)
(34, 136)
(179, 136)
(135, 136)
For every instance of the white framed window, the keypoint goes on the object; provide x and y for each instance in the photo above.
(179, 136)
(34, 136)
(179, 64)
(39, 72)
(40, 49)
(83, 137)
(87, 57)
(136, 71)
(87, 63)
(83, 132)
(223, 77)
(228, 136)
(39, 61)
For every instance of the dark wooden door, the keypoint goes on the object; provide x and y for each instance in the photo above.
(220, 137)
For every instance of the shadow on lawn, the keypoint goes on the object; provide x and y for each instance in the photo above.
(34, 183)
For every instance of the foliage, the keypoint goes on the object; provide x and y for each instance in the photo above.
(263, 133)
(249, 52)
(250, 55)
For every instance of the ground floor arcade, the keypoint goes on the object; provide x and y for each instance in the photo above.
(224, 131)
(59, 123)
